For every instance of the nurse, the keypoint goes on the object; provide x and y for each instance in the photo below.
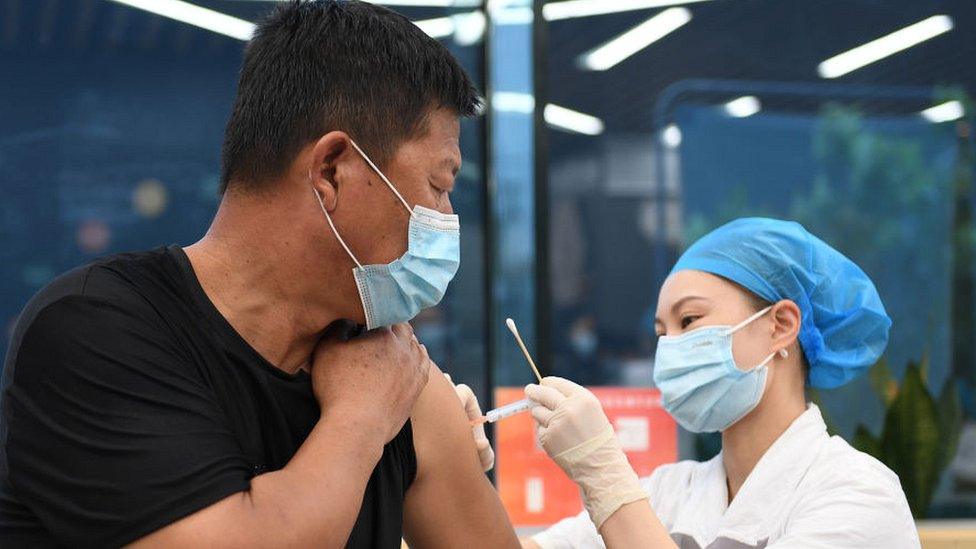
(751, 314)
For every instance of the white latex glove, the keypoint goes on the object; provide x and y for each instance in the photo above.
(471, 407)
(577, 435)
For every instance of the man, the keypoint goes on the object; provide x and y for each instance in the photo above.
(213, 396)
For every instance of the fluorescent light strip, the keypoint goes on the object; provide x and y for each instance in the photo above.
(885, 46)
(512, 16)
(636, 39)
(469, 28)
(574, 121)
(505, 101)
(744, 106)
(509, 12)
(945, 112)
(555, 115)
(554, 11)
(440, 27)
(197, 16)
(418, 3)
(234, 27)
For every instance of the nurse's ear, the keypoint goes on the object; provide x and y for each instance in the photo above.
(786, 325)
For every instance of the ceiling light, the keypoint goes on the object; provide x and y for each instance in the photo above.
(419, 3)
(559, 117)
(636, 39)
(440, 27)
(196, 15)
(890, 44)
(513, 102)
(945, 112)
(574, 121)
(509, 12)
(512, 16)
(553, 11)
(469, 28)
(744, 106)
(671, 136)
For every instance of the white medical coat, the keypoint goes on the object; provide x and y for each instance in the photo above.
(808, 490)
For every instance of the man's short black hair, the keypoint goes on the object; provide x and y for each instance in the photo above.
(318, 66)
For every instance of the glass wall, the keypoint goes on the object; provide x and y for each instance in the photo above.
(730, 111)
(512, 103)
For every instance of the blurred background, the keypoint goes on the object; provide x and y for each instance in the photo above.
(616, 132)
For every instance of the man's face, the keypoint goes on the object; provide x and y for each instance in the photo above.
(370, 217)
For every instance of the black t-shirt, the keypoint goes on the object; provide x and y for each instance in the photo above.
(129, 402)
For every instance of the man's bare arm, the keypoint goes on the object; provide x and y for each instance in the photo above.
(285, 508)
(366, 388)
(451, 502)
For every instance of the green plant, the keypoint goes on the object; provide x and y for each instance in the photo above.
(919, 436)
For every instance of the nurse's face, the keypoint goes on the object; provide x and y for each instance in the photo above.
(694, 299)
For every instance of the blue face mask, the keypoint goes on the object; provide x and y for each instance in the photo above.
(395, 292)
(700, 385)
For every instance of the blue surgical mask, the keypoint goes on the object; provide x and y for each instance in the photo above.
(395, 292)
(701, 387)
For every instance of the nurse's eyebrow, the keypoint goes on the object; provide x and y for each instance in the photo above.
(677, 305)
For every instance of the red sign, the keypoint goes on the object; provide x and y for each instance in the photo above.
(535, 490)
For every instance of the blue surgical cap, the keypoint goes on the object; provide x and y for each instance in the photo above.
(844, 327)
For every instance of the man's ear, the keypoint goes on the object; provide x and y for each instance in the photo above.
(786, 324)
(324, 174)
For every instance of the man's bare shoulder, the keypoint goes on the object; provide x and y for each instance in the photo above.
(442, 436)
(451, 501)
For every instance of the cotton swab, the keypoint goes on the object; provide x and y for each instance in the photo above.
(518, 339)
(520, 406)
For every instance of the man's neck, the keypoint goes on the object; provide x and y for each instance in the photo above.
(261, 283)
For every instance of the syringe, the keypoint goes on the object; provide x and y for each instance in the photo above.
(519, 406)
(502, 412)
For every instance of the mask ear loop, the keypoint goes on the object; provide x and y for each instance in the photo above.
(782, 352)
(331, 224)
(383, 177)
(749, 320)
(765, 362)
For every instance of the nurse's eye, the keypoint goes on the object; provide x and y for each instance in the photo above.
(688, 321)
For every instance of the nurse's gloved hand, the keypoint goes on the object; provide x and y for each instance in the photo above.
(577, 435)
(473, 410)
